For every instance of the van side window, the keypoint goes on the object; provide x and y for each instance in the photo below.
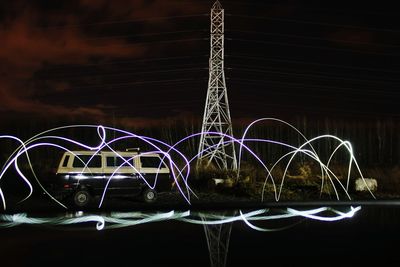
(119, 162)
(81, 160)
(151, 162)
(65, 162)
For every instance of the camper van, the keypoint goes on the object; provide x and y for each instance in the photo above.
(82, 175)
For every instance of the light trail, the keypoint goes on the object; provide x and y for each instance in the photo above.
(128, 219)
(180, 170)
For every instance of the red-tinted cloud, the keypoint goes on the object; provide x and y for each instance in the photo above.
(26, 47)
(351, 37)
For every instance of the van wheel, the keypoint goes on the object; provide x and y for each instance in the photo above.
(149, 195)
(81, 198)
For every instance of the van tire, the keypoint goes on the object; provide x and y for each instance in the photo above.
(81, 198)
(149, 195)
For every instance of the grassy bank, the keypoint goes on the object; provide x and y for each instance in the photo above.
(301, 183)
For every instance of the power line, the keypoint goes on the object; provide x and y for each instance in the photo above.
(310, 63)
(156, 42)
(113, 85)
(319, 87)
(132, 72)
(313, 47)
(136, 60)
(312, 38)
(124, 21)
(313, 74)
(145, 34)
(312, 22)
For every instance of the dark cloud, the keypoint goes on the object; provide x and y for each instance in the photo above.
(41, 34)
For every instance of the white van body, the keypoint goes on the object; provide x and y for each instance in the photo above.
(126, 173)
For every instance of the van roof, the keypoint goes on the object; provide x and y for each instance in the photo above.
(87, 152)
(110, 153)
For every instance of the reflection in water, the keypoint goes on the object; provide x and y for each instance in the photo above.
(217, 224)
(125, 219)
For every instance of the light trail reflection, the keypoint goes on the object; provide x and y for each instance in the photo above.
(114, 220)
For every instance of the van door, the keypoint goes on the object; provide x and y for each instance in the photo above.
(121, 176)
(88, 171)
(155, 171)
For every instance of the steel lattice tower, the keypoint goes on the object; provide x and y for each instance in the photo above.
(213, 147)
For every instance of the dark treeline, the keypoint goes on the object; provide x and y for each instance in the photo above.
(375, 142)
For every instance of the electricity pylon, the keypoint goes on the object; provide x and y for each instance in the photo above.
(215, 146)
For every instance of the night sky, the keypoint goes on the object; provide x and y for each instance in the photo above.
(140, 62)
